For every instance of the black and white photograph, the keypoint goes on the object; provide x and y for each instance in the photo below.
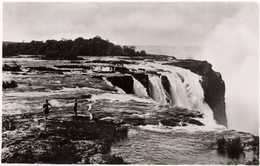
(134, 82)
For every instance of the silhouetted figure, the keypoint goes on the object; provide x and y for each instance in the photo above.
(75, 108)
(89, 109)
(46, 109)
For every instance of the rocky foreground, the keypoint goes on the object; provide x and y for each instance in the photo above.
(65, 139)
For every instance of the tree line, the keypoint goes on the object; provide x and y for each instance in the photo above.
(69, 49)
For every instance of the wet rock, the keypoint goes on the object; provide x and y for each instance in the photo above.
(11, 68)
(170, 122)
(123, 82)
(121, 69)
(196, 122)
(11, 84)
(43, 135)
(232, 145)
(166, 84)
(221, 143)
(96, 159)
(105, 159)
(121, 62)
(64, 140)
(8, 124)
(73, 66)
(47, 69)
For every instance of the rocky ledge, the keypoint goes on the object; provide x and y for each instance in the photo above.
(28, 138)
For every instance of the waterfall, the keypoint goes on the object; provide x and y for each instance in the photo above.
(139, 89)
(186, 92)
(156, 89)
(179, 92)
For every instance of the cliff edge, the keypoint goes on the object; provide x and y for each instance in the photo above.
(213, 86)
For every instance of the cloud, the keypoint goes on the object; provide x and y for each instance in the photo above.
(123, 23)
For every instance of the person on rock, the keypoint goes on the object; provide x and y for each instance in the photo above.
(75, 108)
(46, 108)
(89, 110)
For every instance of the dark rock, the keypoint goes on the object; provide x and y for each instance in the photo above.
(221, 143)
(96, 159)
(75, 62)
(123, 82)
(154, 72)
(11, 84)
(196, 122)
(121, 62)
(105, 159)
(43, 135)
(47, 69)
(170, 122)
(98, 77)
(63, 141)
(12, 68)
(214, 92)
(8, 124)
(134, 121)
(121, 69)
(72, 66)
(166, 84)
(234, 147)
(88, 96)
(190, 113)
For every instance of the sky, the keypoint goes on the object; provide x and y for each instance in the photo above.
(122, 23)
(227, 34)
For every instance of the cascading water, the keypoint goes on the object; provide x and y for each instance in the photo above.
(139, 89)
(179, 93)
(186, 92)
(156, 89)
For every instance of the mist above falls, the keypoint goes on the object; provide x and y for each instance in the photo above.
(233, 50)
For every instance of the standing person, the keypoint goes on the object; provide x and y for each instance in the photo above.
(75, 108)
(46, 108)
(89, 109)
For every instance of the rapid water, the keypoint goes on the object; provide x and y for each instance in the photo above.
(186, 92)
(156, 89)
(176, 147)
(139, 89)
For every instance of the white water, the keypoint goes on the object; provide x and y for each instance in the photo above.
(120, 98)
(139, 89)
(156, 89)
(179, 92)
(186, 92)
(188, 129)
